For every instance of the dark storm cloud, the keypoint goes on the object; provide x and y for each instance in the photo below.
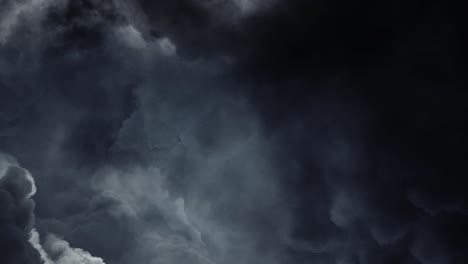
(80, 80)
(20, 242)
(17, 217)
(239, 131)
(64, 102)
(301, 38)
(64, 96)
(389, 76)
(94, 70)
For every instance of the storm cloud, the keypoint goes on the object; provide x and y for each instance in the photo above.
(232, 132)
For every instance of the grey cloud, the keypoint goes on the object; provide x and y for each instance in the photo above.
(16, 213)
(284, 132)
(20, 241)
(58, 251)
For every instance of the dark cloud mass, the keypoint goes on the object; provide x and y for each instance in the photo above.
(235, 131)
(17, 215)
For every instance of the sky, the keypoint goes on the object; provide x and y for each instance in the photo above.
(233, 131)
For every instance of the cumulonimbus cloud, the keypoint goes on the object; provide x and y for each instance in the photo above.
(20, 242)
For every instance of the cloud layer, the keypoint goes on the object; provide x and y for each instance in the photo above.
(232, 132)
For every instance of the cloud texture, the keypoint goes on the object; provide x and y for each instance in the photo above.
(224, 132)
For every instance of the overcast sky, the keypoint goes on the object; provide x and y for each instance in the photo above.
(232, 131)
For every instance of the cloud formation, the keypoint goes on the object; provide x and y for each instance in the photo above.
(17, 217)
(226, 132)
(20, 241)
(58, 251)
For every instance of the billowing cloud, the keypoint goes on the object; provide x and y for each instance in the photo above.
(238, 131)
(20, 241)
(55, 250)
(16, 213)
